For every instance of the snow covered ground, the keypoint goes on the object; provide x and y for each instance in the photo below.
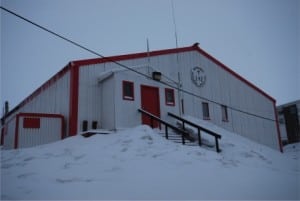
(140, 164)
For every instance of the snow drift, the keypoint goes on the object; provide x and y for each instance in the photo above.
(140, 164)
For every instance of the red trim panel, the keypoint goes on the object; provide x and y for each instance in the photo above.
(132, 56)
(29, 122)
(36, 115)
(74, 91)
(277, 127)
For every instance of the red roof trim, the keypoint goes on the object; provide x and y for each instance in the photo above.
(39, 90)
(135, 56)
(132, 56)
(234, 74)
(171, 51)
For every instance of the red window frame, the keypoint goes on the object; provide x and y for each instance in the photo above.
(29, 122)
(131, 88)
(171, 92)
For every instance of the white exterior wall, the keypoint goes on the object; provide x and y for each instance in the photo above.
(127, 114)
(108, 115)
(50, 131)
(221, 87)
(52, 100)
(9, 136)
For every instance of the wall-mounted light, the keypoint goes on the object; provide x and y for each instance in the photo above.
(156, 76)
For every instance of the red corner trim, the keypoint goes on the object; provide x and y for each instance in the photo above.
(277, 127)
(74, 90)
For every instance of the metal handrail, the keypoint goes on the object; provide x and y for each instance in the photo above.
(167, 125)
(217, 136)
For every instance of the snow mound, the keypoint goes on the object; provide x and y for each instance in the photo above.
(139, 163)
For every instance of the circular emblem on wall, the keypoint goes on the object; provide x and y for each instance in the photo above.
(198, 76)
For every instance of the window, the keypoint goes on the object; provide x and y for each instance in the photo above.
(224, 113)
(128, 90)
(205, 111)
(170, 100)
(29, 122)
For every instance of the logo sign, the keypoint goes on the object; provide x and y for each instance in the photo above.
(198, 76)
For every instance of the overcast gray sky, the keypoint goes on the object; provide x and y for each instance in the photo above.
(258, 39)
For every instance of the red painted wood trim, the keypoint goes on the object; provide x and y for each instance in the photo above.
(132, 56)
(74, 92)
(277, 127)
(29, 122)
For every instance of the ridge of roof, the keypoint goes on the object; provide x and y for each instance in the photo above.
(194, 47)
(117, 58)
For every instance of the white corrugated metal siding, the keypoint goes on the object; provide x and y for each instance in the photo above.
(9, 137)
(50, 131)
(221, 87)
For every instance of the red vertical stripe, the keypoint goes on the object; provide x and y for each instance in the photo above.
(74, 88)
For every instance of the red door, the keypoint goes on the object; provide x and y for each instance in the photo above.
(150, 103)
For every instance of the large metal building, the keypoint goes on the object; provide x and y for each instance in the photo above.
(106, 93)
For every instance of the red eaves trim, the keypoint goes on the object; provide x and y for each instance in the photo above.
(74, 91)
(132, 56)
(39, 90)
(277, 127)
(16, 143)
(171, 51)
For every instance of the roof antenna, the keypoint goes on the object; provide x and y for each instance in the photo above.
(148, 56)
(174, 22)
(179, 84)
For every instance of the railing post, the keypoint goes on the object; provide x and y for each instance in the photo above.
(183, 125)
(183, 140)
(199, 137)
(217, 145)
(151, 122)
(167, 135)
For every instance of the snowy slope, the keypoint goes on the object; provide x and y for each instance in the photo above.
(140, 164)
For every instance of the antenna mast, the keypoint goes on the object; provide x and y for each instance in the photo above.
(174, 22)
